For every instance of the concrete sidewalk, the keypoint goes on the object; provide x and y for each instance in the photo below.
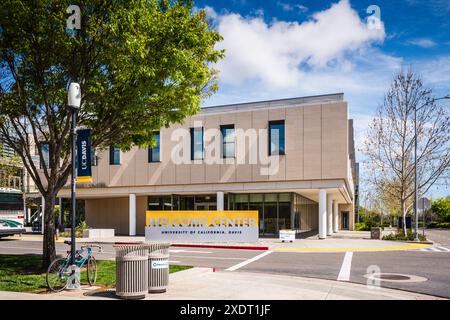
(204, 284)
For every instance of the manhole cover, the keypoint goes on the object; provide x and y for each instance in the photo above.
(394, 277)
(391, 277)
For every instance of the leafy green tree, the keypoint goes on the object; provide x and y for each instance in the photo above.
(441, 207)
(10, 169)
(141, 64)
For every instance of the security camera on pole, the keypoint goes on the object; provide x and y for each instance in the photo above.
(74, 101)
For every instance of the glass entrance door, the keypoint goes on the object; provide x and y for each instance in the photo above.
(344, 223)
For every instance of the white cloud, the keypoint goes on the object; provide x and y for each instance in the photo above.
(291, 7)
(422, 42)
(210, 12)
(280, 54)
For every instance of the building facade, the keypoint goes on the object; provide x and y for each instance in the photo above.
(292, 160)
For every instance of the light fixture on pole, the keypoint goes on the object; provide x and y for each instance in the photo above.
(416, 193)
(74, 102)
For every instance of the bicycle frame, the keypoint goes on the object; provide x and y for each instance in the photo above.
(79, 253)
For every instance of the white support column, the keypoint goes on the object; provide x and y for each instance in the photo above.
(335, 216)
(329, 215)
(322, 214)
(42, 213)
(220, 202)
(132, 217)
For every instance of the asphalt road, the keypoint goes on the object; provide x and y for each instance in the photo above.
(434, 266)
(439, 236)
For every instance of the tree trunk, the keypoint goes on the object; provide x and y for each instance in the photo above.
(49, 250)
(404, 215)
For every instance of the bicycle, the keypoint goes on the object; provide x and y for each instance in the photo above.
(59, 272)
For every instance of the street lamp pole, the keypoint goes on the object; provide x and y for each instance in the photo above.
(416, 193)
(74, 101)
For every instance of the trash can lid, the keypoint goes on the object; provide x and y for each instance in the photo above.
(123, 248)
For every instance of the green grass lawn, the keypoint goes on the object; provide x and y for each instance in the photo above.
(23, 273)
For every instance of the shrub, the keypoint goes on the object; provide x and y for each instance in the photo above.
(78, 230)
(361, 226)
(441, 207)
(401, 237)
(444, 225)
(432, 224)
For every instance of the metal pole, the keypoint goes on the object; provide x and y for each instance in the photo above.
(423, 226)
(415, 176)
(73, 136)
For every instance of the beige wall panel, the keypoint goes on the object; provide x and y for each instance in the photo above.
(260, 120)
(115, 174)
(312, 142)
(294, 143)
(128, 167)
(108, 214)
(213, 148)
(229, 118)
(228, 172)
(280, 173)
(198, 172)
(277, 114)
(334, 141)
(212, 173)
(94, 173)
(167, 167)
(183, 174)
(141, 167)
(154, 173)
(103, 167)
(243, 167)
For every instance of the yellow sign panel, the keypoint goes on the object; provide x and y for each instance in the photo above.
(85, 179)
(192, 218)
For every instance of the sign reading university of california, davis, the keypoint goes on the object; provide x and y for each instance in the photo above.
(84, 171)
(202, 226)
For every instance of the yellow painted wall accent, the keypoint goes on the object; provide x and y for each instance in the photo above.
(207, 217)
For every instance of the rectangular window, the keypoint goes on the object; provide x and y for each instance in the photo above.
(197, 148)
(276, 137)
(114, 155)
(154, 153)
(228, 141)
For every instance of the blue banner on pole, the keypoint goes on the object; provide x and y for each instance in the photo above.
(84, 171)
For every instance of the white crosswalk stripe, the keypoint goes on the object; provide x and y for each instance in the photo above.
(436, 249)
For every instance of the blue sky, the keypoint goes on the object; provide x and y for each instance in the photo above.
(287, 48)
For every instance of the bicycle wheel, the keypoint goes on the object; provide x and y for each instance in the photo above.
(91, 270)
(57, 275)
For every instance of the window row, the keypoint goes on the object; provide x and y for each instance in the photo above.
(228, 149)
(228, 144)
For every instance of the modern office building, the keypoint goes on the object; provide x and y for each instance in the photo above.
(292, 160)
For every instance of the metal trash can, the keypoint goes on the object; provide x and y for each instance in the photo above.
(131, 270)
(158, 267)
(376, 233)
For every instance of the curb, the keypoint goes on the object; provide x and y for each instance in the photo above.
(420, 242)
(213, 246)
